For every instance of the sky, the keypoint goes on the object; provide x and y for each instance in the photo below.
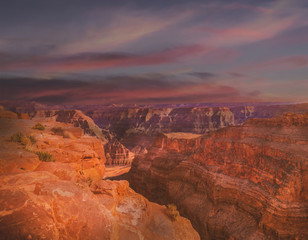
(139, 51)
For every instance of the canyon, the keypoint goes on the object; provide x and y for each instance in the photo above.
(51, 187)
(233, 172)
(239, 182)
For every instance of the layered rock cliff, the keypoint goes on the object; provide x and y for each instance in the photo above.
(116, 153)
(241, 182)
(125, 121)
(63, 197)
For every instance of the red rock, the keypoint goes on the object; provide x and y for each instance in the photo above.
(55, 201)
(8, 114)
(40, 205)
(245, 182)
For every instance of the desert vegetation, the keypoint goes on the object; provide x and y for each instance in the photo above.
(172, 212)
(57, 131)
(45, 156)
(24, 140)
(39, 126)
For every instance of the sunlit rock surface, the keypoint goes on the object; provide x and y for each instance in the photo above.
(66, 198)
(242, 182)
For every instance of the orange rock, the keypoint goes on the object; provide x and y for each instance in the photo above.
(8, 114)
(248, 182)
(40, 205)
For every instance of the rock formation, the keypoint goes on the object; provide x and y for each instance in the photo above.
(56, 200)
(241, 182)
(136, 126)
(116, 153)
(125, 121)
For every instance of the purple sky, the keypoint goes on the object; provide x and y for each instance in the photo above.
(97, 52)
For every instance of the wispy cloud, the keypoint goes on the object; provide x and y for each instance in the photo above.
(277, 64)
(90, 61)
(125, 89)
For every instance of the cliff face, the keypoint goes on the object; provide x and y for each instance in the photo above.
(116, 153)
(66, 198)
(40, 205)
(243, 182)
(124, 121)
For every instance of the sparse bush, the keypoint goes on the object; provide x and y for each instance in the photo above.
(17, 137)
(23, 139)
(32, 139)
(45, 156)
(172, 212)
(57, 131)
(39, 126)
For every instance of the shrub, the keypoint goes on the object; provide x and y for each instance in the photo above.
(45, 156)
(32, 139)
(57, 131)
(17, 137)
(39, 126)
(25, 141)
(172, 212)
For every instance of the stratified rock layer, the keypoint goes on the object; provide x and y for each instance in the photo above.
(66, 199)
(116, 153)
(243, 182)
(128, 121)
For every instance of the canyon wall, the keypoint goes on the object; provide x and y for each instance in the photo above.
(125, 121)
(63, 196)
(240, 182)
(116, 153)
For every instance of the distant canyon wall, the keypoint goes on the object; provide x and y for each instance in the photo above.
(241, 182)
(125, 121)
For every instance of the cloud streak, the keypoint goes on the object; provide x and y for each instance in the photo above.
(125, 89)
(90, 61)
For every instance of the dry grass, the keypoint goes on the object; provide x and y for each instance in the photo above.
(39, 126)
(172, 212)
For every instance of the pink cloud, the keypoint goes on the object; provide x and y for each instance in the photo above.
(280, 63)
(248, 7)
(98, 61)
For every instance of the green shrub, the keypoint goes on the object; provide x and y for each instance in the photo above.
(39, 126)
(172, 212)
(45, 156)
(17, 137)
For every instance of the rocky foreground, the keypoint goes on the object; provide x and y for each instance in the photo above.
(241, 182)
(51, 188)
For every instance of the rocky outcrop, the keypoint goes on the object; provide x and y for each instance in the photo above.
(39, 205)
(83, 153)
(56, 200)
(75, 117)
(242, 182)
(7, 114)
(116, 153)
